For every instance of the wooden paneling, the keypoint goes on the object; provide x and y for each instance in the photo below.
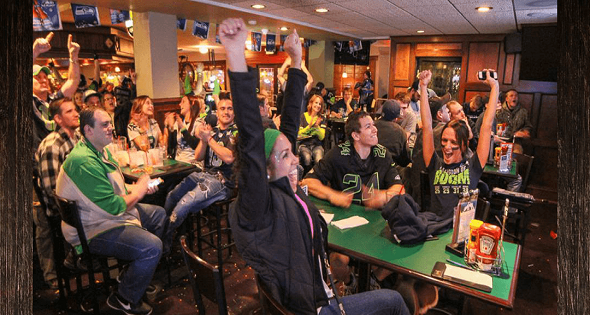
(439, 46)
(481, 56)
(402, 69)
(526, 100)
(509, 69)
(547, 120)
(354, 74)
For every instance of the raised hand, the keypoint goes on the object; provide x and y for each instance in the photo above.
(293, 48)
(425, 77)
(233, 34)
(73, 48)
(42, 45)
(489, 80)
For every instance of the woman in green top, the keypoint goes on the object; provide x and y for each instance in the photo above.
(312, 133)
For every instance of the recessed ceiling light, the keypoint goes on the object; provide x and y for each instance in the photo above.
(284, 28)
(420, 31)
(252, 22)
(483, 9)
(258, 6)
(203, 50)
(321, 10)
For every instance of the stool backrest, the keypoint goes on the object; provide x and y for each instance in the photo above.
(205, 279)
(525, 163)
(269, 304)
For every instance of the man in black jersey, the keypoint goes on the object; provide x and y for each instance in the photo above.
(359, 170)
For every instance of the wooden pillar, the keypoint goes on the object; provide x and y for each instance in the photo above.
(16, 154)
(573, 138)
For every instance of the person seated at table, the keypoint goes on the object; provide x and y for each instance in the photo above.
(201, 189)
(116, 224)
(181, 131)
(143, 130)
(361, 171)
(391, 134)
(50, 155)
(440, 114)
(474, 107)
(312, 133)
(407, 119)
(454, 173)
(345, 105)
(516, 118)
(109, 103)
(277, 229)
(264, 108)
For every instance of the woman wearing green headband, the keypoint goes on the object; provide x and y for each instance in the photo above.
(277, 229)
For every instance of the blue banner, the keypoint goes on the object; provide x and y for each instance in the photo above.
(283, 39)
(119, 16)
(85, 15)
(201, 29)
(181, 24)
(46, 16)
(271, 42)
(256, 41)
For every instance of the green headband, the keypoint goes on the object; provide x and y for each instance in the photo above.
(270, 137)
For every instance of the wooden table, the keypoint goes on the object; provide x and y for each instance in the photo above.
(490, 169)
(372, 243)
(169, 167)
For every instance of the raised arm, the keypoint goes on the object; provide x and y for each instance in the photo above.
(41, 45)
(71, 85)
(309, 83)
(291, 111)
(483, 146)
(427, 136)
(253, 194)
(281, 71)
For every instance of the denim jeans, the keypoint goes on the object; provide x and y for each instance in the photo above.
(141, 246)
(196, 192)
(44, 242)
(371, 302)
(310, 153)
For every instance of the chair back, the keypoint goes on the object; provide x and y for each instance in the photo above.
(269, 304)
(525, 163)
(205, 279)
(424, 190)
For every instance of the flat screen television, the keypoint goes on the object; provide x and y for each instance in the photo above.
(539, 58)
(352, 52)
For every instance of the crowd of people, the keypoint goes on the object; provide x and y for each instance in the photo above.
(257, 156)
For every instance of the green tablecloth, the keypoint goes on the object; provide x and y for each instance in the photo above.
(374, 240)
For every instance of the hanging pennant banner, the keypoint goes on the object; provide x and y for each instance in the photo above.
(46, 16)
(271, 42)
(85, 15)
(201, 29)
(283, 39)
(181, 24)
(119, 16)
(256, 39)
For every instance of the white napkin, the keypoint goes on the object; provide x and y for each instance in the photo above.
(351, 222)
(327, 216)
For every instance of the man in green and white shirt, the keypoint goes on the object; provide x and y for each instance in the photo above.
(115, 223)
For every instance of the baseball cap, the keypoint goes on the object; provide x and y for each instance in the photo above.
(38, 68)
(89, 93)
(390, 110)
(414, 85)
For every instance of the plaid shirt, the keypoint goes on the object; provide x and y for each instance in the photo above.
(50, 155)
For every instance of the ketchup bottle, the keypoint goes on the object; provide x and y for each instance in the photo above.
(489, 235)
